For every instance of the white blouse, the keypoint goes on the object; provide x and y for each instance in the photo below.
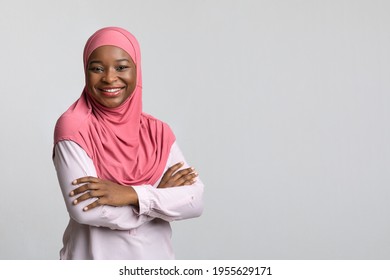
(108, 232)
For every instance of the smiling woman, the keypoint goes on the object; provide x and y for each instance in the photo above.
(121, 172)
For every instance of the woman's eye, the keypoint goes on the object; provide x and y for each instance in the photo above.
(96, 69)
(122, 67)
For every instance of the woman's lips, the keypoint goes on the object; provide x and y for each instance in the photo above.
(111, 92)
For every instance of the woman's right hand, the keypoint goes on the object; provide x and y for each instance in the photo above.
(174, 178)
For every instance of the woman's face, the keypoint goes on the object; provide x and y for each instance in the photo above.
(111, 76)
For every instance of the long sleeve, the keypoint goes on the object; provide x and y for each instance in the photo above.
(72, 162)
(175, 203)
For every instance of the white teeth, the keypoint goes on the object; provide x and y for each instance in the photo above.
(111, 90)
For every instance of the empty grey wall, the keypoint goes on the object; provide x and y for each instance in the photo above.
(282, 106)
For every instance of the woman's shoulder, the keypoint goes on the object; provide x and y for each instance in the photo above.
(149, 117)
(70, 122)
(152, 119)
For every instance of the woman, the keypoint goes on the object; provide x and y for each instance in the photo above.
(121, 172)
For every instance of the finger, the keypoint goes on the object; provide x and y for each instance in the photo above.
(174, 168)
(79, 190)
(170, 171)
(183, 173)
(181, 176)
(83, 197)
(87, 179)
(83, 188)
(92, 205)
(189, 182)
(188, 179)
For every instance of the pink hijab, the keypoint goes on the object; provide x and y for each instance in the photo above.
(126, 145)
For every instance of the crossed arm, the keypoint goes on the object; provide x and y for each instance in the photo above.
(109, 193)
(97, 202)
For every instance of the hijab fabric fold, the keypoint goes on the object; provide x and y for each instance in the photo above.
(126, 145)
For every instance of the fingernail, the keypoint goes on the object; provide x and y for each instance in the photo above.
(74, 182)
(75, 202)
(85, 208)
(71, 193)
(196, 174)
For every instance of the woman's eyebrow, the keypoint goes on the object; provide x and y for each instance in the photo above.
(123, 59)
(100, 62)
(95, 61)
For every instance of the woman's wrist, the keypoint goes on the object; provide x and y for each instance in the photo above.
(132, 196)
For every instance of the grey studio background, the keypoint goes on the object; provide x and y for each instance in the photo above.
(282, 106)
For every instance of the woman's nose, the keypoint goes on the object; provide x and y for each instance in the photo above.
(110, 76)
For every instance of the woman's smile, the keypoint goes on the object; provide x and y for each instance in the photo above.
(111, 91)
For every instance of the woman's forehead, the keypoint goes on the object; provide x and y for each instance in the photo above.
(109, 52)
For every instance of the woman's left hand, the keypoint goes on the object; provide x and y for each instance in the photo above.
(106, 192)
